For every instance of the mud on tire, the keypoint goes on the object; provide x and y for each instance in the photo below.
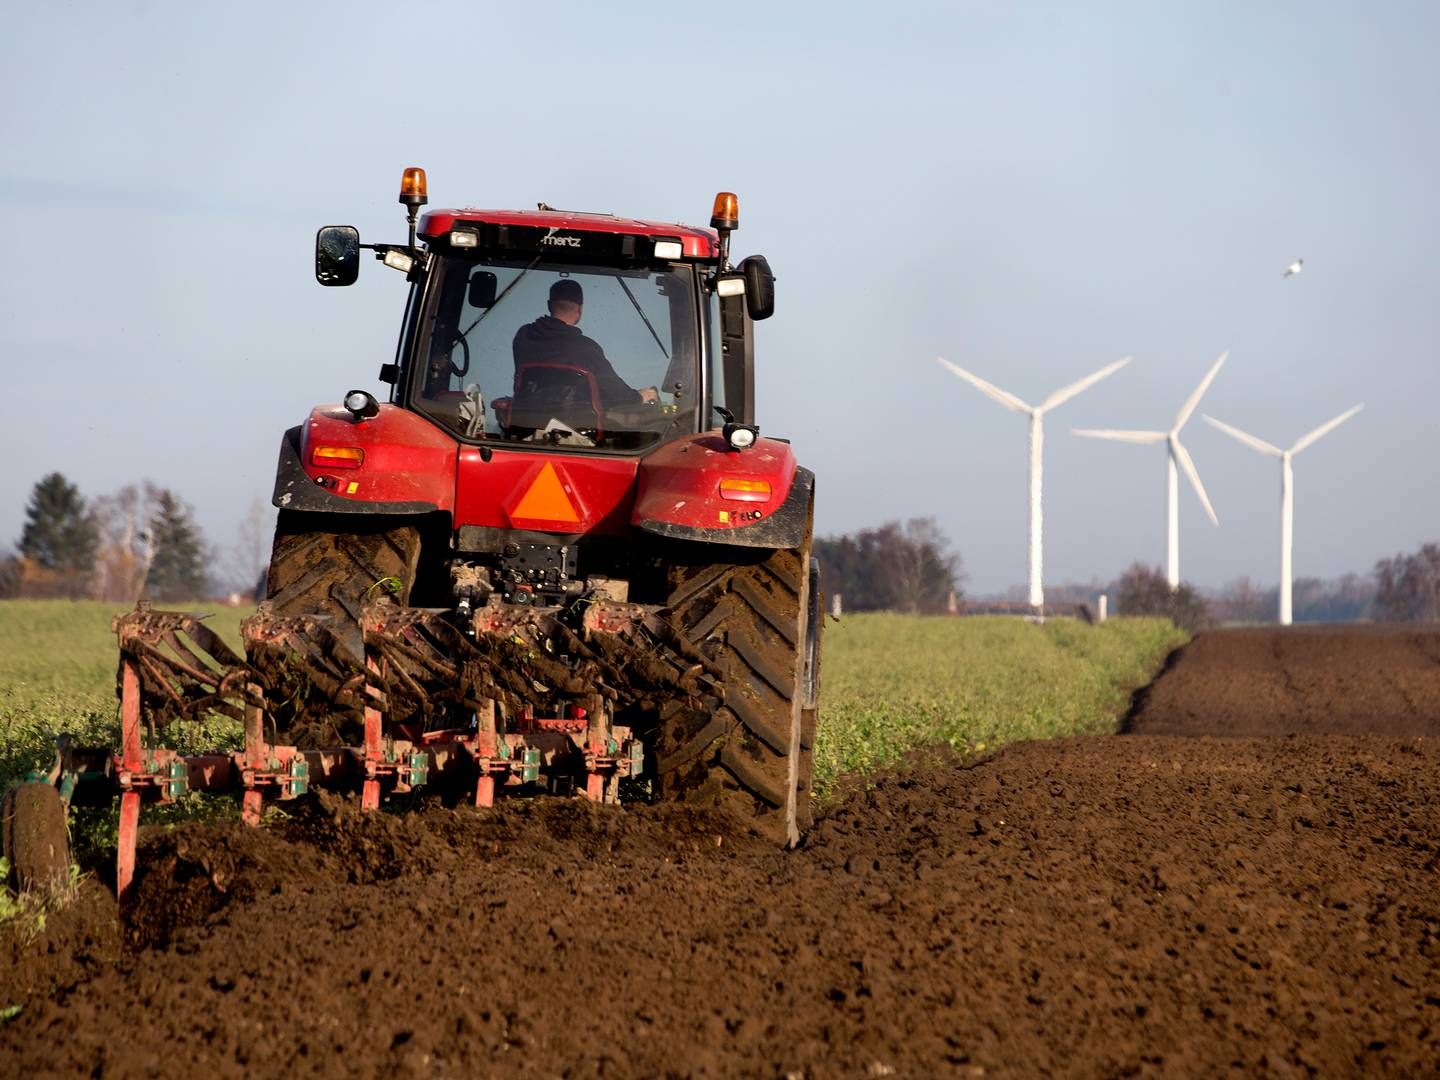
(34, 837)
(317, 570)
(755, 621)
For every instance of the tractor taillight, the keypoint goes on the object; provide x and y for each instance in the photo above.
(745, 490)
(337, 457)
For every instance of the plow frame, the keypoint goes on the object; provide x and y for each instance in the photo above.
(163, 655)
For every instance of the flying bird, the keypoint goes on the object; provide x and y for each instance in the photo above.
(1294, 268)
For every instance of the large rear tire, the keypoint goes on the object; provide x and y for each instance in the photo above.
(315, 569)
(34, 837)
(751, 753)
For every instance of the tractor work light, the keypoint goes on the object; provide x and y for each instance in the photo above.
(398, 260)
(726, 215)
(739, 490)
(362, 404)
(464, 238)
(668, 249)
(412, 187)
(730, 285)
(337, 457)
(740, 436)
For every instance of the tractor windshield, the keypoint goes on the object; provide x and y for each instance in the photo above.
(568, 355)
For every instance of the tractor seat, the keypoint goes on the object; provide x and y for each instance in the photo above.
(547, 390)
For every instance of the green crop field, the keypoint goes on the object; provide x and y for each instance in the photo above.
(57, 673)
(890, 682)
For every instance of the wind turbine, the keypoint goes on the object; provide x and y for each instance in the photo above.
(1177, 455)
(1287, 491)
(1037, 442)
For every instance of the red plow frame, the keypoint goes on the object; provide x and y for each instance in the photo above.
(173, 668)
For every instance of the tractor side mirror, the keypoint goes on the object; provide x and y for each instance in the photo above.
(337, 255)
(482, 289)
(759, 287)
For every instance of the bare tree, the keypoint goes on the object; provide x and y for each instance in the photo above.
(1242, 601)
(250, 554)
(1408, 586)
(127, 547)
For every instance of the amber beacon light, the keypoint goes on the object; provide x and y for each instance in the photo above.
(412, 187)
(726, 214)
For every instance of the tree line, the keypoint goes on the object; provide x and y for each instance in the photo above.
(912, 567)
(1403, 588)
(893, 567)
(140, 542)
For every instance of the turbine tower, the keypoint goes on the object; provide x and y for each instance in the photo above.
(1287, 492)
(1176, 455)
(1037, 442)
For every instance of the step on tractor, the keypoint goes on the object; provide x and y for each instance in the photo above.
(559, 558)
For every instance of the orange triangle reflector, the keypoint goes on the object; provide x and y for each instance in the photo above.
(546, 499)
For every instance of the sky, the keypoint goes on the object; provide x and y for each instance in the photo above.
(1030, 190)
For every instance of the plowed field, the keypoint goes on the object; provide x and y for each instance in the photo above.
(1165, 902)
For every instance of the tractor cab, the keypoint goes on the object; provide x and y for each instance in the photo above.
(574, 331)
(575, 355)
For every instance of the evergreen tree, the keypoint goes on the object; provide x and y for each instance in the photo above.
(60, 535)
(177, 571)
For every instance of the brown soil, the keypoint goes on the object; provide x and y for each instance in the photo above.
(58, 945)
(1099, 906)
(1380, 680)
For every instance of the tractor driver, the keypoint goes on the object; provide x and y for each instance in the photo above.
(557, 338)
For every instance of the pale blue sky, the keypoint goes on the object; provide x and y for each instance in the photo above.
(1031, 190)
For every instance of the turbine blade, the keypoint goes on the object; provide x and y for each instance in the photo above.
(1059, 397)
(1324, 429)
(1004, 397)
(1249, 440)
(1194, 399)
(1187, 465)
(1120, 436)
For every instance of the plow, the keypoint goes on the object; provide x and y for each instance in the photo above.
(486, 709)
(546, 566)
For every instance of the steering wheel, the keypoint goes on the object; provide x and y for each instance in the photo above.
(464, 370)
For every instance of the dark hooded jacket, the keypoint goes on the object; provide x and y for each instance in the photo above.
(549, 338)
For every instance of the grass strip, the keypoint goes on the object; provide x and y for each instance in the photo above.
(892, 683)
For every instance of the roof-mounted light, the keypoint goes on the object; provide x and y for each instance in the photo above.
(726, 215)
(464, 238)
(412, 187)
(730, 285)
(668, 249)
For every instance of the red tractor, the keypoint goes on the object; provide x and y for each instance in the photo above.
(559, 558)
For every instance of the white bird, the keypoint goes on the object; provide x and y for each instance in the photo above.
(1294, 268)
